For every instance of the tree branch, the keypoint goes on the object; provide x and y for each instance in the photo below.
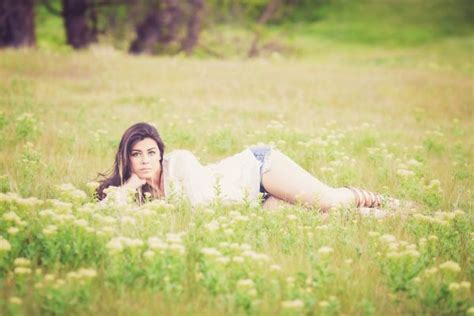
(267, 14)
(270, 9)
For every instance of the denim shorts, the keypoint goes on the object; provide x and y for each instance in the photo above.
(262, 154)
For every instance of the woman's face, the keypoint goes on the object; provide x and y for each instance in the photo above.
(145, 159)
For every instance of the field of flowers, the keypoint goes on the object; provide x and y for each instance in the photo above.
(400, 128)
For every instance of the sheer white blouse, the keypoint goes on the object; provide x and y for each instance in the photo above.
(232, 180)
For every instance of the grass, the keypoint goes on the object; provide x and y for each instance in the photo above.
(353, 114)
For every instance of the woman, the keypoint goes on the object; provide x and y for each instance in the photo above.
(141, 167)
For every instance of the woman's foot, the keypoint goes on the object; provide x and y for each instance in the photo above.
(379, 206)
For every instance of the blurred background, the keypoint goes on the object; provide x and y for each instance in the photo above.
(232, 28)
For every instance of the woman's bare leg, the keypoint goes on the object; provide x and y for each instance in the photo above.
(287, 181)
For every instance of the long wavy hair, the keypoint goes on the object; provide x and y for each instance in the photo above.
(122, 167)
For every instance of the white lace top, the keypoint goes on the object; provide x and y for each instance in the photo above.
(233, 179)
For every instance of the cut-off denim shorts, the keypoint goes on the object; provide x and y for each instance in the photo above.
(262, 154)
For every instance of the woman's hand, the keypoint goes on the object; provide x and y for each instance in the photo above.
(134, 182)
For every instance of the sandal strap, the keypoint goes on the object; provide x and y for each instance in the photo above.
(365, 198)
(373, 199)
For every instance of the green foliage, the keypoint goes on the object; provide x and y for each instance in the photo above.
(393, 23)
(50, 33)
(369, 22)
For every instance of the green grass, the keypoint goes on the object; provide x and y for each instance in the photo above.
(351, 115)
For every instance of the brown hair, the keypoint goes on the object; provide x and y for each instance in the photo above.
(121, 170)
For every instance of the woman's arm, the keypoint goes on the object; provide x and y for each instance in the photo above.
(120, 195)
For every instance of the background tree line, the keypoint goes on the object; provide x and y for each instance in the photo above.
(159, 25)
(173, 26)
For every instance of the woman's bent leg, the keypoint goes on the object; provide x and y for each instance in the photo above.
(288, 181)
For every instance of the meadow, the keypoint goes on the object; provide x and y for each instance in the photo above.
(394, 120)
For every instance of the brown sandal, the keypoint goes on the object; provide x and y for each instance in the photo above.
(365, 198)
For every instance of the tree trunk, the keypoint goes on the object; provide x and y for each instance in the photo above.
(148, 34)
(160, 26)
(194, 26)
(17, 24)
(170, 20)
(79, 34)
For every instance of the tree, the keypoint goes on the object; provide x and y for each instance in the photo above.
(159, 27)
(17, 26)
(193, 26)
(168, 25)
(80, 20)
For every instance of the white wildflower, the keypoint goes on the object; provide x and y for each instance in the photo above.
(212, 226)
(115, 245)
(223, 259)
(149, 254)
(211, 252)
(15, 300)
(275, 267)
(454, 286)
(431, 271)
(405, 173)
(87, 273)
(11, 217)
(245, 283)
(294, 304)
(50, 230)
(388, 238)
(325, 250)
(450, 266)
(393, 255)
(173, 238)
(22, 262)
(414, 163)
(245, 247)
(156, 243)
(411, 253)
(22, 270)
(13, 230)
(323, 304)
(179, 248)
(81, 222)
(4, 245)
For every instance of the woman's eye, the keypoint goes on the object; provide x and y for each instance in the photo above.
(135, 155)
(152, 153)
